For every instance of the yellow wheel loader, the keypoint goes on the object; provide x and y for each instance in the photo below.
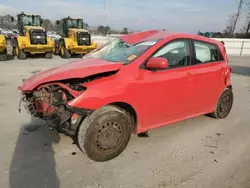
(6, 51)
(75, 41)
(33, 38)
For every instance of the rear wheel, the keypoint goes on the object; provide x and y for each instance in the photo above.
(224, 105)
(64, 52)
(20, 53)
(79, 55)
(104, 134)
(57, 51)
(49, 55)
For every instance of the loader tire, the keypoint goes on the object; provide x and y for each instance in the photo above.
(20, 54)
(65, 53)
(3, 56)
(57, 51)
(49, 55)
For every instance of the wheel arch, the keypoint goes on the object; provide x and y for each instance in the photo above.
(67, 42)
(130, 110)
(20, 40)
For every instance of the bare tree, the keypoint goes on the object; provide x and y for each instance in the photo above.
(234, 18)
(246, 27)
(229, 29)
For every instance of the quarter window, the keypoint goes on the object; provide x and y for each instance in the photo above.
(206, 53)
(177, 53)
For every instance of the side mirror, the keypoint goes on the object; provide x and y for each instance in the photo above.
(57, 22)
(157, 63)
(41, 21)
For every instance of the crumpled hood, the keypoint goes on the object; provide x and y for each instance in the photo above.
(78, 69)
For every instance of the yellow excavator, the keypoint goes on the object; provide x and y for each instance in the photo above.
(3, 48)
(33, 38)
(75, 39)
(6, 50)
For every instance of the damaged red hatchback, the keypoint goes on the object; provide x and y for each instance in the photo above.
(135, 83)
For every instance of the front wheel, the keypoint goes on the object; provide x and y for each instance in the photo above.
(57, 51)
(64, 52)
(104, 134)
(20, 53)
(224, 104)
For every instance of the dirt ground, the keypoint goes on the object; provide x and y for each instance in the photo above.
(201, 152)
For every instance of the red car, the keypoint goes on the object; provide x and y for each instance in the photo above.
(135, 83)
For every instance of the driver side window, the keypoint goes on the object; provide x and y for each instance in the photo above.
(177, 53)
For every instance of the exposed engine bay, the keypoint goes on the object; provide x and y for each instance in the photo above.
(49, 102)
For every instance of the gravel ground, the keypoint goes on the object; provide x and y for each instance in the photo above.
(201, 152)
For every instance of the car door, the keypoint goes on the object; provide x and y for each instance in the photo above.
(168, 93)
(208, 77)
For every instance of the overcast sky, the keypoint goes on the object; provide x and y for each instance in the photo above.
(174, 15)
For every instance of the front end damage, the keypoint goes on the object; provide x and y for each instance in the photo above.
(49, 102)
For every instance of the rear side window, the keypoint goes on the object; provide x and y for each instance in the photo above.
(206, 53)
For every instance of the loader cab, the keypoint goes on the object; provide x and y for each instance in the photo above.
(74, 28)
(74, 23)
(24, 20)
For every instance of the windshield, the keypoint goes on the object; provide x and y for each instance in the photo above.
(75, 23)
(31, 21)
(119, 51)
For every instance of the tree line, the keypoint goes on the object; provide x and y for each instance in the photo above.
(242, 12)
(7, 23)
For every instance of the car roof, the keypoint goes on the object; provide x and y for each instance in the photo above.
(158, 34)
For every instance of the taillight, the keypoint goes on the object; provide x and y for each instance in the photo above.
(224, 52)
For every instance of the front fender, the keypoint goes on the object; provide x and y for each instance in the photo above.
(98, 95)
(112, 89)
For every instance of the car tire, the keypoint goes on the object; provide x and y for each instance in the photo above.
(105, 133)
(224, 105)
(49, 55)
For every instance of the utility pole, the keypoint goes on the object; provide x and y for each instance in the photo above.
(105, 19)
(104, 8)
(248, 28)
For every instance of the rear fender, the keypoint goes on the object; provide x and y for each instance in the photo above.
(228, 77)
(94, 44)
(2, 39)
(50, 42)
(67, 42)
(2, 43)
(22, 42)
